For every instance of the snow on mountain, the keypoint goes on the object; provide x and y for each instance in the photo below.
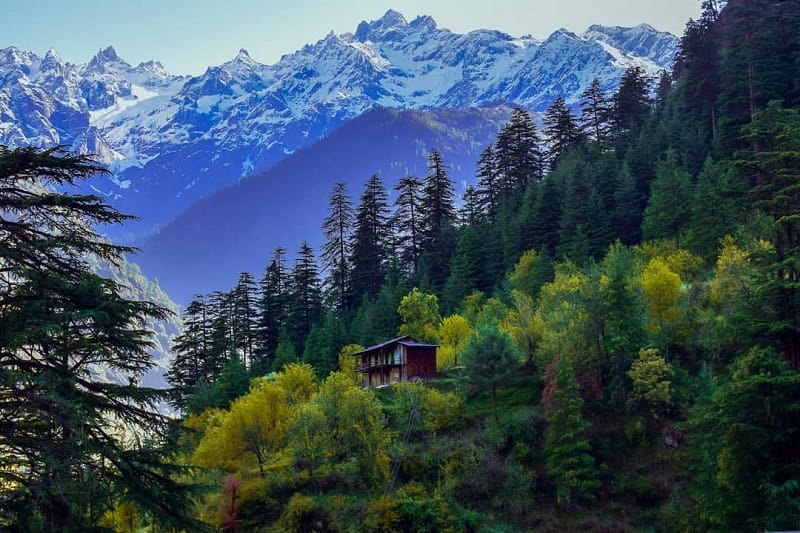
(170, 140)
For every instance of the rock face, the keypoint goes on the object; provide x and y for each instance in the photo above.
(170, 140)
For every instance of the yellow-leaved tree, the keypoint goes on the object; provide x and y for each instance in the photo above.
(419, 313)
(255, 428)
(348, 363)
(298, 380)
(521, 325)
(342, 424)
(452, 335)
(662, 290)
(563, 321)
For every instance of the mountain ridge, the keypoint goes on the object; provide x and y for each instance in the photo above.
(178, 138)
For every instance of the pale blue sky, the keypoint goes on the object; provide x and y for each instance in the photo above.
(189, 35)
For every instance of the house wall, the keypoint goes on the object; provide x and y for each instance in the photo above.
(420, 363)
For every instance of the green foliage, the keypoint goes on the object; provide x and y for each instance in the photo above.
(426, 408)
(65, 458)
(668, 211)
(489, 360)
(419, 313)
(452, 335)
(747, 422)
(568, 453)
(284, 354)
(652, 389)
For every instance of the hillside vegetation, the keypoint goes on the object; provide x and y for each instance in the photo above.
(616, 303)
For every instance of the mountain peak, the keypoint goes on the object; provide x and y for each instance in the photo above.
(381, 28)
(104, 57)
(52, 57)
(423, 22)
(107, 55)
(391, 19)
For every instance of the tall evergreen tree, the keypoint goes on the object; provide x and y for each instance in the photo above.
(669, 209)
(567, 451)
(338, 229)
(775, 166)
(518, 156)
(489, 183)
(407, 221)
(244, 315)
(370, 252)
(546, 216)
(471, 212)
(305, 296)
(65, 455)
(438, 198)
(190, 351)
(561, 130)
(272, 310)
(631, 103)
(595, 112)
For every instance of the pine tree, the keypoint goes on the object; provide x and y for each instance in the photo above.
(626, 216)
(438, 199)
(488, 183)
(546, 216)
(338, 229)
(305, 296)
(221, 345)
(407, 221)
(518, 156)
(561, 130)
(567, 451)
(190, 350)
(272, 310)
(774, 164)
(631, 103)
(65, 458)
(471, 212)
(244, 316)
(370, 246)
(595, 112)
(669, 209)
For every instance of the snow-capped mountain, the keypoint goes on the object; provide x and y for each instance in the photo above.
(170, 140)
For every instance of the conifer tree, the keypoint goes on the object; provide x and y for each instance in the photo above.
(489, 360)
(626, 216)
(567, 451)
(438, 198)
(338, 229)
(370, 252)
(546, 216)
(471, 212)
(190, 351)
(518, 156)
(595, 112)
(244, 316)
(631, 103)
(272, 310)
(65, 458)
(407, 221)
(305, 296)
(221, 345)
(669, 209)
(561, 130)
(488, 183)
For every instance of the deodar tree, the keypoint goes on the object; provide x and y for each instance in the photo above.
(71, 444)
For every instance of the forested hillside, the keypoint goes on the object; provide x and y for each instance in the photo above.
(616, 303)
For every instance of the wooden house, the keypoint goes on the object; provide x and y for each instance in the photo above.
(400, 359)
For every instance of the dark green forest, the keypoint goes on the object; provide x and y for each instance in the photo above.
(616, 302)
